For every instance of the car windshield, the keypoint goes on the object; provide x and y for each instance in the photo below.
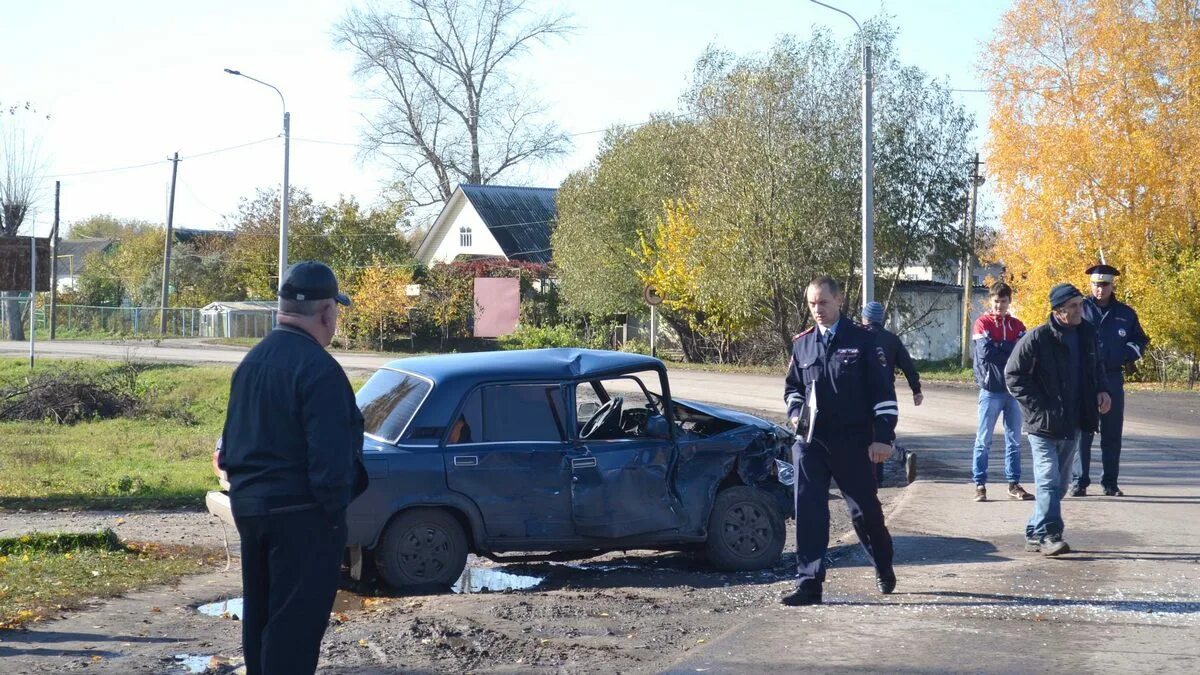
(388, 402)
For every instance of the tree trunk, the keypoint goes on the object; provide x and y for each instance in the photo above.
(687, 339)
(12, 309)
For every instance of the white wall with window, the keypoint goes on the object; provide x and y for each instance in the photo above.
(459, 231)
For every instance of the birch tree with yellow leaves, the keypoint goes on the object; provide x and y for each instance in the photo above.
(1095, 150)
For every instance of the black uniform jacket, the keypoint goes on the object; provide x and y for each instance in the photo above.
(293, 433)
(849, 379)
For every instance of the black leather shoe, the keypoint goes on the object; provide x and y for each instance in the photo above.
(1078, 491)
(1113, 492)
(799, 598)
(885, 584)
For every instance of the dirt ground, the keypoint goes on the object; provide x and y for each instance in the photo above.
(623, 612)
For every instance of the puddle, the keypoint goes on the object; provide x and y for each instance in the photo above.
(223, 609)
(486, 580)
(193, 663)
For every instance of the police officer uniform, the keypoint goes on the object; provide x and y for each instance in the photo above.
(292, 449)
(1122, 341)
(839, 386)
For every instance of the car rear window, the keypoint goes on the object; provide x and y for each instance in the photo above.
(511, 413)
(388, 402)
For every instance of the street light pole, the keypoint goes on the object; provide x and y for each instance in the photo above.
(286, 197)
(868, 165)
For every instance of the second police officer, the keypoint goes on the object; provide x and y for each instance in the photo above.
(838, 385)
(1122, 342)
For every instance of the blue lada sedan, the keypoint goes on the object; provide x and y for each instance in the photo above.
(560, 453)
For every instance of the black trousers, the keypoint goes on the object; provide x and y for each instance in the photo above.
(1112, 426)
(842, 457)
(290, 568)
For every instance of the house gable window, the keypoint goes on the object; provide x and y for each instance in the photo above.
(464, 236)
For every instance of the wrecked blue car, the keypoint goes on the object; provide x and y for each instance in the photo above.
(556, 454)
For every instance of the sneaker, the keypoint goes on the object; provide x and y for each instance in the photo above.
(981, 493)
(1015, 491)
(799, 598)
(1078, 491)
(1113, 491)
(910, 467)
(1054, 545)
(1033, 544)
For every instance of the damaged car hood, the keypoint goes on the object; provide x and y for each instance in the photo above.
(727, 414)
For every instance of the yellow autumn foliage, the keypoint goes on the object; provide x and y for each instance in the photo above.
(674, 260)
(1095, 147)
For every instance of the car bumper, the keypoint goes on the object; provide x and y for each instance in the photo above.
(218, 505)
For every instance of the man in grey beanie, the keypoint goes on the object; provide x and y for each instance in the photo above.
(1056, 375)
(873, 316)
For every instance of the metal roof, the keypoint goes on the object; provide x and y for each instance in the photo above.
(78, 249)
(520, 218)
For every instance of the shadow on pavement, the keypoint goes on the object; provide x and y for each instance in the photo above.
(1149, 606)
(37, 643)
(923, 549)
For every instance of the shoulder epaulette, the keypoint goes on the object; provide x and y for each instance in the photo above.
(801, 334)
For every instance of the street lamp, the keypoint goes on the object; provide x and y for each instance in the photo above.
(868, 167)
(287, 140)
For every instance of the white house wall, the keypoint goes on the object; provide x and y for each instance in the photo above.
(447, 247)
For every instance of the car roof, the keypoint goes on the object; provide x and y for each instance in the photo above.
(529, 364)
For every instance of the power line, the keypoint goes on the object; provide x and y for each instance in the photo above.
(161, 161)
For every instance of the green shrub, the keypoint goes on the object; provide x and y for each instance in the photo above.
(532, 337)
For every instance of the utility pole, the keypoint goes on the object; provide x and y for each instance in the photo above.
(54, 262)
(162, 312)
(32, 290)
(968, 259)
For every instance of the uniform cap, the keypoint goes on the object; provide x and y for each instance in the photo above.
(311, 280)
(1104, 274)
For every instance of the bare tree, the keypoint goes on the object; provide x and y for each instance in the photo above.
(450, 113)
(20, 161)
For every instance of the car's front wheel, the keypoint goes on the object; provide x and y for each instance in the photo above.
(745, 530)
(422, 547)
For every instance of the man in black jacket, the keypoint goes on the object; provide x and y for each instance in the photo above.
(897, 356)
(292, 448)
(1056, 375)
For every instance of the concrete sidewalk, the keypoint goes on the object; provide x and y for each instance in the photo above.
(970, 599)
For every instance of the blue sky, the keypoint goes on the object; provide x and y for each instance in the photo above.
(128, 82)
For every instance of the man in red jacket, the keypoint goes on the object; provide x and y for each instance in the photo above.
(994, 336)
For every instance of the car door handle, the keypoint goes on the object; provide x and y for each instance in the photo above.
(466, 460)
(583, 462)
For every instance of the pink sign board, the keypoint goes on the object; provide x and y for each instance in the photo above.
(497, 306)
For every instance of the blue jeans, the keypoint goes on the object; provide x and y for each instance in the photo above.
(991, 404)
(1052, 459)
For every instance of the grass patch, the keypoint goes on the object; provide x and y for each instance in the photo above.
(42, 575)
(945, 370)
(158, 459)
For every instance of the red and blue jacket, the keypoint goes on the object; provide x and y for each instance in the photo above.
(993, 340)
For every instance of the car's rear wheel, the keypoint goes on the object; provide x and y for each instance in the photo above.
(422, 547)
(745, 530)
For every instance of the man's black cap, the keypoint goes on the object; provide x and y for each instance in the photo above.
(311, 280)
(1061, 294)
(1102, 273)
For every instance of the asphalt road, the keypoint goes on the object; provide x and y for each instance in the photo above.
(970, 598)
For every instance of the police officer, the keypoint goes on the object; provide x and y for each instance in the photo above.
(292, 448)
(1122, 342)
(897, 356)
(838, 386)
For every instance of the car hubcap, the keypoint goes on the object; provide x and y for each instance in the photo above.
(425, 552)
(747, 530)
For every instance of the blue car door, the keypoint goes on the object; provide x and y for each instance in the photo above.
(507, 451)
(622, 481)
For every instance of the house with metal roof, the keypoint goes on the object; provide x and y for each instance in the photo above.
(490, 221)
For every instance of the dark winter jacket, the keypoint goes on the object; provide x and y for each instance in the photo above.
(293, 432)
(1038, 374)
(897, 356)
